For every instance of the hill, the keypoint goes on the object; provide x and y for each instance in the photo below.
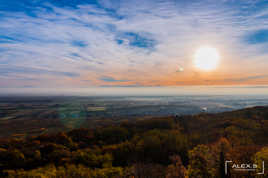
(173, 146)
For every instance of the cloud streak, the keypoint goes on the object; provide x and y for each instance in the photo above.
(9, 70)
(111, 79)
(248, 78)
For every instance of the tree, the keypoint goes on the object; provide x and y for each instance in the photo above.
(176, 169)
(201, 163)
(220, 151)
(260, 157)
(143, 170)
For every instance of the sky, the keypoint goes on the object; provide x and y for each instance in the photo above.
(131, 43)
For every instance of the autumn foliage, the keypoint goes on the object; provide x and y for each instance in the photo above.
(168, 147)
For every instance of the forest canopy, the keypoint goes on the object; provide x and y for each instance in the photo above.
(175, 146)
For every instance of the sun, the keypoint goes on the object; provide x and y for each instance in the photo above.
(206, 58)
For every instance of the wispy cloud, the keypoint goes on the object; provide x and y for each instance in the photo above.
(145, 40)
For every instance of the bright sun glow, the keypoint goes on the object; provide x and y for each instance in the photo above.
(206, 58)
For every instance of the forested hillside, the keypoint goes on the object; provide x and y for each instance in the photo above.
(169, 147)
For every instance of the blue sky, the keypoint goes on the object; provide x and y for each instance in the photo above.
(57, 43)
